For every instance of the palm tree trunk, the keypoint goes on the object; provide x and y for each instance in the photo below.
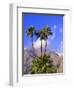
(33, 46)
(41, 48)
(45, 47)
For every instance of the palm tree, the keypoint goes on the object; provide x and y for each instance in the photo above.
(31, 32)
(40, 34)
(47, 32)
(42, 37)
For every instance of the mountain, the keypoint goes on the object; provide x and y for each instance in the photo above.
(29, 56)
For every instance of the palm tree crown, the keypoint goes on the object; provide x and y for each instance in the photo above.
(31, 31)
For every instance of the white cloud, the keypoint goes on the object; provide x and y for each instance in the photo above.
(54, 26)
(37, 43)
(53, 36)
(25, 48)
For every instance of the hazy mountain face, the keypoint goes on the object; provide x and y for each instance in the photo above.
(29, 56)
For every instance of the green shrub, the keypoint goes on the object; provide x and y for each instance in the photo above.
(43, 64)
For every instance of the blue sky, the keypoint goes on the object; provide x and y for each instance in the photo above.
(55, 22)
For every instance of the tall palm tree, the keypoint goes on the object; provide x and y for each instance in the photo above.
(47, 33)
(31, 32)
(40, 35)
(43, 35)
